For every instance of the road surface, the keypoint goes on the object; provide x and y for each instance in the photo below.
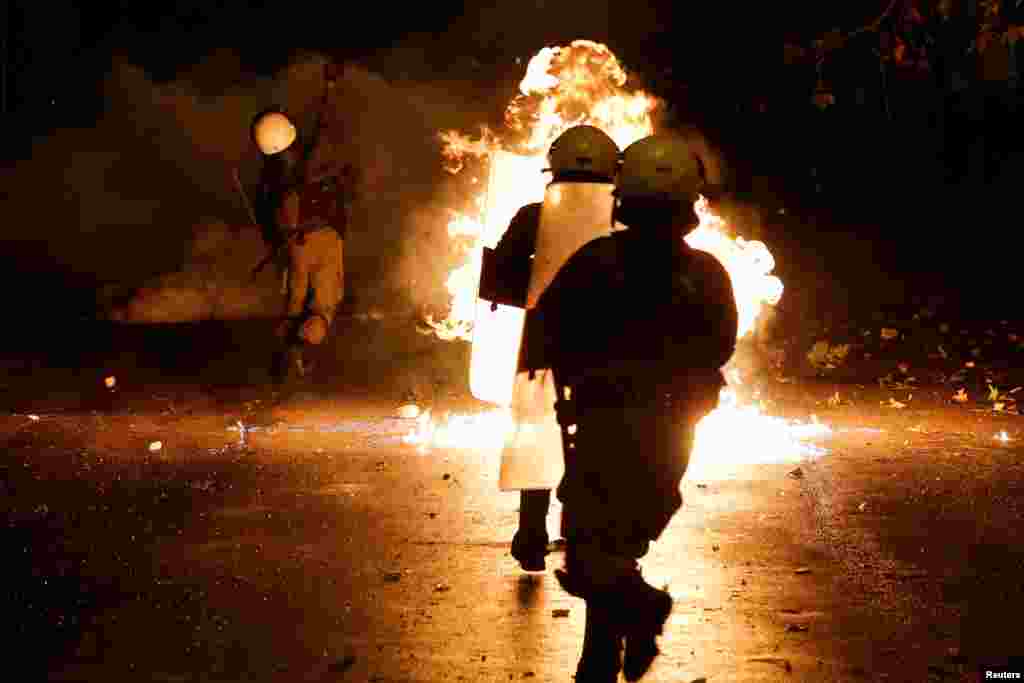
(316, 545)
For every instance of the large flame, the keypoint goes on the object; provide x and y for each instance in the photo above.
(563, 87)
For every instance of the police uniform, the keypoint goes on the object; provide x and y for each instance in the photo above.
(303, 206)
(514, 251)
(637, 326)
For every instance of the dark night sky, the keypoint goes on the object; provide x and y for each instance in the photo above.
(60, 51)
(61, 57)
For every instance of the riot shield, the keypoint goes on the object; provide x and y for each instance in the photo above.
(573, 215)
(532, 456)
(498, 327)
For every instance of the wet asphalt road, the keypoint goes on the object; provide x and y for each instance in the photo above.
(322, 548)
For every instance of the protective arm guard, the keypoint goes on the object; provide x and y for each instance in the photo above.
(505, 272)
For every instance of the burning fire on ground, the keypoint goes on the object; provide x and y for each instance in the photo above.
(563, 87)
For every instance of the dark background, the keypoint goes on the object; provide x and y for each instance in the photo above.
(924, 178)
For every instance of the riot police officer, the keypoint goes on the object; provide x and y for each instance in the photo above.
(582, 154)
(637, 328)
(302, 207)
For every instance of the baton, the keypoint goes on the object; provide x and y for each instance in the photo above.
(252, 216)
(245, 197)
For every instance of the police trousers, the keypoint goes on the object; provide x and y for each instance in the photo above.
(623, 469)
(316, 275)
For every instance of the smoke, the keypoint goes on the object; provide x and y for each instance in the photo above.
(134, 199)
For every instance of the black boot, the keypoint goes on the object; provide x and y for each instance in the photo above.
(601, 659)
(530, 544)
(645, 610)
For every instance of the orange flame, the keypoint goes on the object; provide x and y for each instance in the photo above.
(563, 87)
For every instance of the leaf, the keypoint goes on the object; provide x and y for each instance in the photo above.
(899, 52)
(823, 100)
(893, 403)
(984, 38)
(833, 40)
(793, 53)
(993, 393)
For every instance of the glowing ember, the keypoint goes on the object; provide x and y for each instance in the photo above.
(478, 431)
(566, 86)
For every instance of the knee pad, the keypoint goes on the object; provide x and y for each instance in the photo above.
(314, 330)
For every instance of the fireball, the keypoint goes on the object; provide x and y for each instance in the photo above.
(564, 87)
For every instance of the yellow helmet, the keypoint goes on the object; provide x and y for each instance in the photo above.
(584, 149)
(660, 167)
(273, 132)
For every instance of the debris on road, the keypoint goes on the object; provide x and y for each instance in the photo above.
(797, 628)
(822, 356)
(778, 661)
(446, 476)
(392, 577)
(557, 613)
(155, 446)
(110, 382)
(797, 473)
(410, 411)
(960, 396)
(34, 418)
(442, 588)
(342, 665)
(862, 507)
(803, 570)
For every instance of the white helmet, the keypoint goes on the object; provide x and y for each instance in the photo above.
(273, 132)
(660, 167)
(584, 149)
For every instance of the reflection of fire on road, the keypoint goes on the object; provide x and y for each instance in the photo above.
(563, 87)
